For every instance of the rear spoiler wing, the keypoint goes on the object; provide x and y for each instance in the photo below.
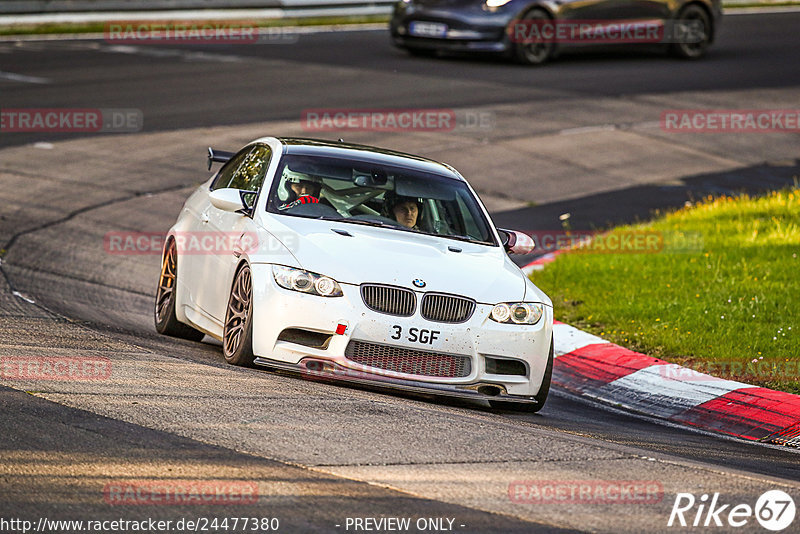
(218, 155)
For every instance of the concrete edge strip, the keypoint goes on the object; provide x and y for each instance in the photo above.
(281, 32)
(267, 13)
(592, 367)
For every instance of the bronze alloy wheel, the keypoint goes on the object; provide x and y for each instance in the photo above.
(166, 321)
(237, 336)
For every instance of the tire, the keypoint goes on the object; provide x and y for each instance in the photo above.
(164, 310)
(540, 397)
(533, 53)
(692, 15)
(237, 333)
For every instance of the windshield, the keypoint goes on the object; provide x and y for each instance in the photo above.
(377, 195)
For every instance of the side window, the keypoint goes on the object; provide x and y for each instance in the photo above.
(250, 174)
(468, 216)
(228, 170)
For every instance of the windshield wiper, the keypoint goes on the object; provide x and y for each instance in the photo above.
(365, 222)
(467, 238)
(398, 226)
(462, 237)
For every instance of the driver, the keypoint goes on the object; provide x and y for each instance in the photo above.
(300, 188)
(405, 210)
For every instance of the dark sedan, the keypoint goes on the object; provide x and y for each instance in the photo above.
(533, 31)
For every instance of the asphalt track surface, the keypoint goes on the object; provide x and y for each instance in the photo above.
(313, 446)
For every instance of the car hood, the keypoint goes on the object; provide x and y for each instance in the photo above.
(366, 254)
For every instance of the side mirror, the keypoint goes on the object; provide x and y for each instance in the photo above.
(229, 199)
(516, 242)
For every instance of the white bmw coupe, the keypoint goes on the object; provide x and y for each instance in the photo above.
(356, 263)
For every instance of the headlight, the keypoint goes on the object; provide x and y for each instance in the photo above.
(517, 312)
(306, 282)
(496, 3)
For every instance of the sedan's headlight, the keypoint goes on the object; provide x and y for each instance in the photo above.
(517, 312)
(306, 282)
(496, 3)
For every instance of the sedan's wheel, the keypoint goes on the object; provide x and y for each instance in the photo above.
(532, 53)
(540, 397)
(693, 33)
(237, 335)
(166, 322)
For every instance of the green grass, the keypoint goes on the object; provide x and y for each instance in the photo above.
(722, 296)
(767, 3)
(100, 27)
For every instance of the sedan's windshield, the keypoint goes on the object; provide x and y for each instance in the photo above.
(378, 195)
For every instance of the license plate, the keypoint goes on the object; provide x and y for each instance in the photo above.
(422, 336)
(427, 29)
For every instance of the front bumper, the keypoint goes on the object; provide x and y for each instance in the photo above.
(320, 352)
(452, 45)
(468, 30)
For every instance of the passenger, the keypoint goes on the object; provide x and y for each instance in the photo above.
(405, 210)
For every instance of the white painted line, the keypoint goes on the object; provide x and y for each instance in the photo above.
(588, 129)
(646, 125)
(567, 338)
(23, 297)
(14, 77)
(664, 390)
(121, 49)
(185, 55)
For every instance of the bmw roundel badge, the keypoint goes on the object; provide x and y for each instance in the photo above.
(419, 282)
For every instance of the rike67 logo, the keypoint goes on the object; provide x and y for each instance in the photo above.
(774, 510)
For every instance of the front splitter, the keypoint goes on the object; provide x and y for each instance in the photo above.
(318, 369)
